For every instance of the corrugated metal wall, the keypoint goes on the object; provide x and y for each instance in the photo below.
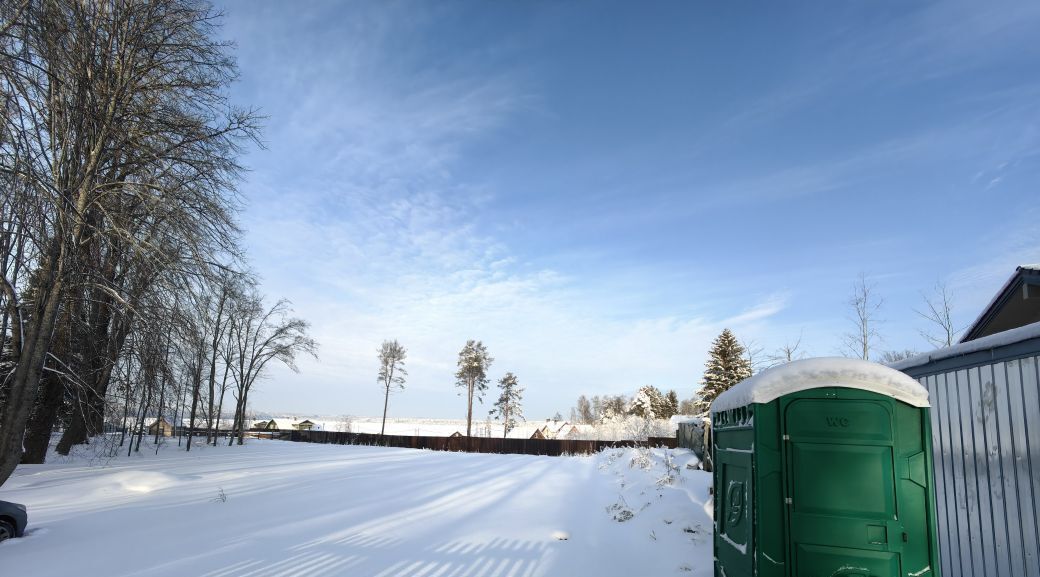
(986, 437)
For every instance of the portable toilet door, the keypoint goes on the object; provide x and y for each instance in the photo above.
(858, 493)
(855, 485)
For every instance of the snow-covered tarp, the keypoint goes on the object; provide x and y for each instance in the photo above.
(818, 373)
(1000, 339)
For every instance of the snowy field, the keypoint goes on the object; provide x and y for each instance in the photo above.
(278, 508)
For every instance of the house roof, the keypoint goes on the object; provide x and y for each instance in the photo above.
(1016, 304)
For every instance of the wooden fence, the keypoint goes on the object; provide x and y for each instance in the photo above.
(551, 447)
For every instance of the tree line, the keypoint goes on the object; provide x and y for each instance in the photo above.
(124, 289)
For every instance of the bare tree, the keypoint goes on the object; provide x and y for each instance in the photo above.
(865, 305)
(261, 336)
(939, 313)
(755, 355)
(391, 372)
(790, 351)
(120, 151)
(894, 356)
(583, 411)
(473, 364)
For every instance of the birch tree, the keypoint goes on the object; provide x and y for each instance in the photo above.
(865, 305)
(938, 312)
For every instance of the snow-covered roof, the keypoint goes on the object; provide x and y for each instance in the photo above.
(823, 372)
(283, 424)
(983, 344)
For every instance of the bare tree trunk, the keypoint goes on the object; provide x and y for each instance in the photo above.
(237, 424)
(386, 403)
(196, 378)
(40, 425)
(469, 409)
(220, 405)
(159, 418)
(217, 333)
(31, 357)
(126, 410)
(242, 426)
(146, 402)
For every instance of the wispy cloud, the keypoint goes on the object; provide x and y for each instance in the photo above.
(358, 215)
(372, 210)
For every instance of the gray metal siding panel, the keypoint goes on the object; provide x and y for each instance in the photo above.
(998, 505)
(986, 555)
(953, 549)
(986, 443)
(939, 462)
(1009, 483)
(1024, 460)
(962, 461)
(1031, 393)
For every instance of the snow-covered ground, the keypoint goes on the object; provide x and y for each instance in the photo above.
(279, 508)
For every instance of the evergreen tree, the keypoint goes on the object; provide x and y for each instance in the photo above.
(671, 405)
(614, 405)
(659, 403)
(645, 403)
(508, 406)
(472, 376)
(727, 365)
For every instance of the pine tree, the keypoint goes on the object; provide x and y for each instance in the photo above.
(508, 406)
(391, 372)
(472, 376)
(659, 403)
(727, 365)
(644, 403)
(671, 403)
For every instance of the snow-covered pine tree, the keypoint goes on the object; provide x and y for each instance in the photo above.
(508, 407)
(671, 402)
(659, 403)
(727, 365)
(644, 403)
(474, 361)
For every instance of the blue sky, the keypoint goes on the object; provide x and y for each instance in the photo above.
(595, 190)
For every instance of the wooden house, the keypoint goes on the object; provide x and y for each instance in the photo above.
(162, 426)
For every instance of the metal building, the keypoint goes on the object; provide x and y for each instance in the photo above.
(985, 396)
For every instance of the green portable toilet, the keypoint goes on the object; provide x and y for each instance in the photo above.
(823, 468)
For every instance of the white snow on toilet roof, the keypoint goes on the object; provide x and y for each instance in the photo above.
(824, 372)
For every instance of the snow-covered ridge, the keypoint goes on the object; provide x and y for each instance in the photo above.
(823, 372)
